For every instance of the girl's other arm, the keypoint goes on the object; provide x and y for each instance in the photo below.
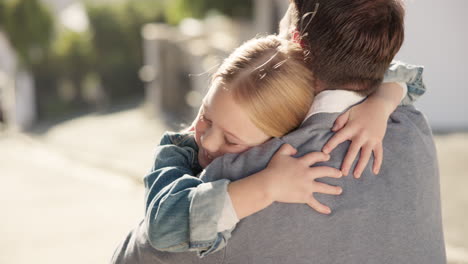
(366, 123)
(365, 126)
(412, 75)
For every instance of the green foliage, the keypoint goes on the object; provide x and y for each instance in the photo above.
(74, 52)
(2, 12)
(176, 10)
(111, 51)
(70, 60)
(29, 26)
(116, 38)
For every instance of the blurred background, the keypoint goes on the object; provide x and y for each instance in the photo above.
(88, 87)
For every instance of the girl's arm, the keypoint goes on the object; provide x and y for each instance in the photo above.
(182, 211)
(170, 188)
(286, 179)
(366, 123)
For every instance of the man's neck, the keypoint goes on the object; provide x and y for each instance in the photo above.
(320, 86)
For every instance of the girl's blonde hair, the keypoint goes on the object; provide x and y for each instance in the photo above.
(270, 79)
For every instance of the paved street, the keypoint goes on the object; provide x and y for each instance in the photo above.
(71, 192)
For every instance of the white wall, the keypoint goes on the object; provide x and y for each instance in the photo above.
(437, 37)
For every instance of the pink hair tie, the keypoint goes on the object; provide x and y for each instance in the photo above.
(297, 38)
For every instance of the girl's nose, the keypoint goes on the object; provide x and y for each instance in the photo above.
(210, 141)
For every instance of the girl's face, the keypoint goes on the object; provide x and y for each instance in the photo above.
(223, 127)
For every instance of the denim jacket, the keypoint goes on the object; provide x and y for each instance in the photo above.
(182, 211)
(172, 220)
(412, 75)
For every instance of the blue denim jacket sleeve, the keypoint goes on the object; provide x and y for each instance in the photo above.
(171, 186)
(411, 75)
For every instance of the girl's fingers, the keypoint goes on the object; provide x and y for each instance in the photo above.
(366, 152)
(378, 157)
(314, 157)
(350, 156)
(341, 121)
(340, 137)
(321, 172)
(324, 188)
(318, 206)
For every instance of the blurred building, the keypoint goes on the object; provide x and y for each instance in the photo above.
(179, 61)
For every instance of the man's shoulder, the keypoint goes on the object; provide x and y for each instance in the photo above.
(313, 133)
(409, 118)
(234, 166)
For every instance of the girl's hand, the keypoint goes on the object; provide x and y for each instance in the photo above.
(365, 125)
(292, 180)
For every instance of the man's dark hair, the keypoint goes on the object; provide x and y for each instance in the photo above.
(351, 42)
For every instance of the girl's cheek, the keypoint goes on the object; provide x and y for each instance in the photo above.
(199, 130)
(244, 149)
(239, 149)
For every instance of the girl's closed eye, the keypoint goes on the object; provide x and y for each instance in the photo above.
(204, 119)
(231, 143)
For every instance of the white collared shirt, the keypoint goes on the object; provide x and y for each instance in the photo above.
(337, 101)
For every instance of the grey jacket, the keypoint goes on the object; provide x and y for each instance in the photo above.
(394, 217)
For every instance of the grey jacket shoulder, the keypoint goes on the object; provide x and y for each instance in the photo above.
(394, 217)
(237, 166)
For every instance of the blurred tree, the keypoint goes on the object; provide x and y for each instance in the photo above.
(176, 10)
(2, 12)
(118, 43)
(110, 54)
(74, 54)
(29, 26)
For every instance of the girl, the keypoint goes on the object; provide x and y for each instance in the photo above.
(263, 90)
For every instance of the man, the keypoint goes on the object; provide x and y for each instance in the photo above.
(390, 218)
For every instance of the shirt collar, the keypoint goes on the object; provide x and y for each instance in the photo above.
(333, 101)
